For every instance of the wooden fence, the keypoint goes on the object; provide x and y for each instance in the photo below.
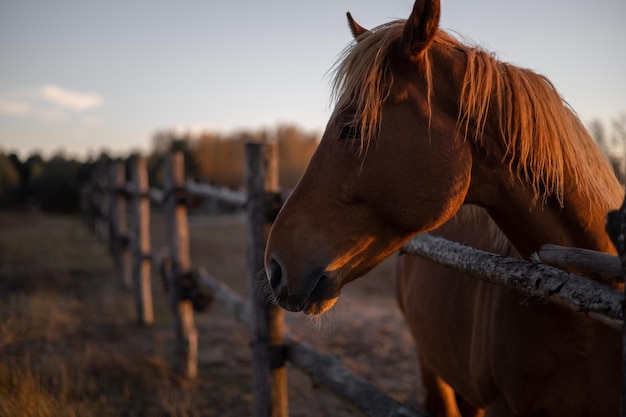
(272, 344)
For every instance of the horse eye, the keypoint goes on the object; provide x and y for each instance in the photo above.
(350, 132)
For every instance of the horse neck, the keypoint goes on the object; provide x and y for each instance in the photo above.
(578, 220)
(577, 216)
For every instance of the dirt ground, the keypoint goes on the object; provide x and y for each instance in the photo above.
(70, 345)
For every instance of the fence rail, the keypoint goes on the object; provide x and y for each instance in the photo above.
(587, 263)
(536, 280)
(235, 198)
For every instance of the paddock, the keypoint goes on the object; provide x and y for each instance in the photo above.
(588, 298)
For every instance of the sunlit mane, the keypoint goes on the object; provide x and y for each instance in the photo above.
(542, 136)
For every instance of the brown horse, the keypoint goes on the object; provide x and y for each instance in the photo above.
(423, 125)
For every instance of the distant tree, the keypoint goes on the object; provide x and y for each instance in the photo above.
(206, 156)
(613, 146)
(164, 142)
(156, 174)
(57, 188)
(161, 145)
(35, 165)
(598, 133)
(161, 141)
(218, 158)
(9, 182)
(295, 149)
(19, 195)
(20, 166)
(618, 143)
(618, 138)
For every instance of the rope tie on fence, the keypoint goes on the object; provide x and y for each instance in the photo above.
(277, 355)
(190, 290)
(119, 191)
(124, 240)
(179, 193)
(142, 256)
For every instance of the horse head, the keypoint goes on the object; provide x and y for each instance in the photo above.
(355, 204)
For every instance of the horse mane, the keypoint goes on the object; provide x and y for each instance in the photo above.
(545, 141)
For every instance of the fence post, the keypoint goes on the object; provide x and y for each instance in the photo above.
(101, 202)
(118, 225)
(142, 284)
(178, 241)
(269, 372)
(86, 204)
(616, 229)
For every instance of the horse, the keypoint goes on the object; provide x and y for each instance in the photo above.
(423, 127)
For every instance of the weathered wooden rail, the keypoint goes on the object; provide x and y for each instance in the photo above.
(616, 229)
(535, 280)
(272, 344)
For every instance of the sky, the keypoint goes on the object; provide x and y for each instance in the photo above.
(84, 76)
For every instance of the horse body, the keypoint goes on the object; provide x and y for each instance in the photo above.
(424, 125)
(495, 349)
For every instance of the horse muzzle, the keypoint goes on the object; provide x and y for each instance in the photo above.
(316, 293)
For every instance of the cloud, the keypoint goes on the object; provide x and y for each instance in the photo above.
(71, 99)
(14, 108)
(51, 103)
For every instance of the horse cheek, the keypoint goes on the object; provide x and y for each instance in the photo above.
(420, 191)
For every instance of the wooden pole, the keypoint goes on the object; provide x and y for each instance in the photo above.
(111, 201)
(267, 327)
(86, 204)
(119, 224)
(101, 201)
(96, 200)
(141, 242)
(178, 241)
(616, 229)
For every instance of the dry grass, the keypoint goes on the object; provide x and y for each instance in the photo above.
(69, 344)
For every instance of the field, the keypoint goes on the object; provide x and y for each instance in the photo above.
(70, 344)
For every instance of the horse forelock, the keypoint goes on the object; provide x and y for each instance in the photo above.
(545, 142)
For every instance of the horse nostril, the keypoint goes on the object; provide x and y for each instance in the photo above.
(276, 276)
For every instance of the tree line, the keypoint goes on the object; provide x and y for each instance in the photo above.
(217, 158)
(611, 140)
(54, 184)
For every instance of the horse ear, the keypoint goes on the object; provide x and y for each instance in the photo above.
(356, 29)
(421, 27)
